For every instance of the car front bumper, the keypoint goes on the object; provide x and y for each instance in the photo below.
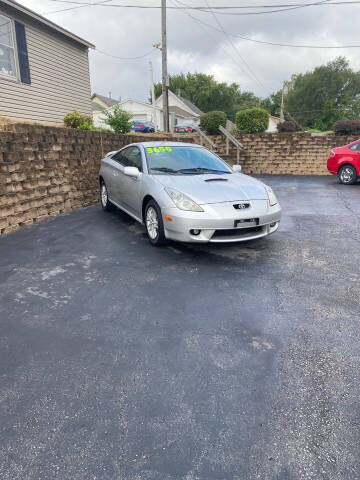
(221, 222)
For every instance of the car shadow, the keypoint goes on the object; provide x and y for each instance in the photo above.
(232, 250)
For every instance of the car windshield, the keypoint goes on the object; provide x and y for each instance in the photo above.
(165, 160)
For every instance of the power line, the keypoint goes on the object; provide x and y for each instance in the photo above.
(263, 42)
(277, 43)
(206, 31)
(125, 58)
(234, 47)
(280, 6)
(75, 7)
(265, 12)
(344, 107)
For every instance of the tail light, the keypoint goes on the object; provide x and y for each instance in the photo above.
(188, 129)
(141, 126)
(332, 153)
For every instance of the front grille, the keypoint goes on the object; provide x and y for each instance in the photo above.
(237, 232)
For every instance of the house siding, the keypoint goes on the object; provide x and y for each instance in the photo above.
(60, 80)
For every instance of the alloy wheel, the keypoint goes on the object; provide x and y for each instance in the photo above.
(152, 223)
(104, 195)
(347, 175)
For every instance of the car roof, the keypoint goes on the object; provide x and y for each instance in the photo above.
(168, 144)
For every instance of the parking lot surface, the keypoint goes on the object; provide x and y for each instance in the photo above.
(123, 361)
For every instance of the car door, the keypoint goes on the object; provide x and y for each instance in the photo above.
(110, 171)
(118, 162)
(355, 154)
(131, 187)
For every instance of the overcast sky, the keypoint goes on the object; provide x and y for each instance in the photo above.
(128, 32)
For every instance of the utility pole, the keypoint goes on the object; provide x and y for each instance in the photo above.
(285, 91)
(165, 97)
(153, 96)
(282, 118)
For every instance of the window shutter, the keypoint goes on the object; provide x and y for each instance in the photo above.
(22, 52)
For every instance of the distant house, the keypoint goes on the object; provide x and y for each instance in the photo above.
(44, 69)
(141, 111)
(99, 102)
(181, 110)
(273, 121)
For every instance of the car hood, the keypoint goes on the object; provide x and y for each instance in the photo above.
(211, 188)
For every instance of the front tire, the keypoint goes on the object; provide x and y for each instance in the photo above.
(104, 198)
(347, 175)
(154, 224)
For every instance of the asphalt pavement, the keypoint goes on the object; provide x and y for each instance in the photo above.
(123, 361)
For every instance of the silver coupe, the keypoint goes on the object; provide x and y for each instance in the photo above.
(184, 192)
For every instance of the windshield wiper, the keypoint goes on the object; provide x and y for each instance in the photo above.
(201, 170)
(165, 169)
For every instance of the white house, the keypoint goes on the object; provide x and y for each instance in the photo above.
(141, 111)
(181, 110)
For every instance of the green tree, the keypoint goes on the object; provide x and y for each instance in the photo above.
(328, 93)
(208, 94)
(119, 120)
(272, 103)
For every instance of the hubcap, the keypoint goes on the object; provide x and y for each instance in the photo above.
(152, 223)
(104, 195)
(347, 175)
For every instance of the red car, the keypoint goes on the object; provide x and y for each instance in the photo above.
(184, 129)
(345, 162)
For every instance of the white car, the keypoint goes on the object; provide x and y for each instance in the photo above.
(184, 192)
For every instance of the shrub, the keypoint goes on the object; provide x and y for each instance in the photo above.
(346, 127)
(211, 121)
(86, 125)
(119, 120)
(252, 120)
(76, 120)
(287, 126)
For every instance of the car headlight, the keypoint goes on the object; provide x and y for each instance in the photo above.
(182, 201)
(272, 197)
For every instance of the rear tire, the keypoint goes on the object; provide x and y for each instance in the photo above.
(104, 198)
(347, 175)
(154, 224)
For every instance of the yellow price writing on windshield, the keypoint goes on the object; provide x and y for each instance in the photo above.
(158, 149)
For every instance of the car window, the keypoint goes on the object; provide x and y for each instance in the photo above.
(118, 156)
(355, 146)
(132, 158)
(129, 157)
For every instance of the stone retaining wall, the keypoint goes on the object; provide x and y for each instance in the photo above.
(47, 170)
(284, 153)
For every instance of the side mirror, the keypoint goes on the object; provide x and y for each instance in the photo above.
(132, 172)
(236, 168)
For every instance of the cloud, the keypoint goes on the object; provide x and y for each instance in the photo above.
(196, 48)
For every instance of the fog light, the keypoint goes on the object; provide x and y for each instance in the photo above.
(272, 225)
(195, 232)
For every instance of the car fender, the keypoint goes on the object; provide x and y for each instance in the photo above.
(348, 159)
(154, 189)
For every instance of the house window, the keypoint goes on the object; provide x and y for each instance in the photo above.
(7, 48)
